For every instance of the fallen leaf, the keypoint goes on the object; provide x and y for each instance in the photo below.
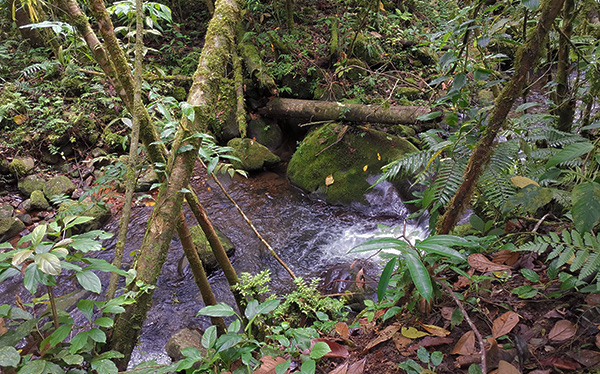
(3, 329)
(540, 371)
(268, 364)
(357, 367)
(365, 167)
(342, 329)
(592, 299)
(505, 257)
(329, 180)
(504, 324)
(506, 368)
(337, 350)
(465, 345)
(436, 330)
(412, 333)
(447, 313)
(467, 360)
(585, 357)
(360, 278)
(462, 282)
(562, 330)
(432, 341)
(554, 313)
(522, 182)
(401, 342)
(340, 369)
(385, 335)
(378, 157)
(480, 263)
(19, 118)
(559, 363)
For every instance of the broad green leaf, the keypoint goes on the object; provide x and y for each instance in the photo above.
(436, 358)
(429, 116)
(38, 235)
(97, 335)
(418, 273)
(104, 322)
(40, 367)
(441, 250)
(586, 205)
(531, 5)
(48, 263)
(86, 244)
(530, 275)
(319, 350)
(210, 337)
(192, 352)
(477, 223)
(20, 257)
(60, 334)
(78, 342)
(219, 310)
(32, 278)
(523, 107)
(103, 265)
(105, 366)
(460, 80)
(308, 367)
(227, 341)
(378, 244)
(423, 355)
(89, 281)
(9, 356)
(529, 198)
(268, 306)
(8, 273)
(86, 307)
(283, 367)
(447, 240)
(570, 152)
(384, 280)
(72, 359)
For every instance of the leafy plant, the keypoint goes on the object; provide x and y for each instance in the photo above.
(431, 360)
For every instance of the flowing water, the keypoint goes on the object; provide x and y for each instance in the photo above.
(312, 237)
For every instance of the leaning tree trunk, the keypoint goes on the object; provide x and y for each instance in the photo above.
(203, 96)
(311, 110)
(527, 54)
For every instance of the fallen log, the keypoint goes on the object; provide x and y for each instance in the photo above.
(314, 111)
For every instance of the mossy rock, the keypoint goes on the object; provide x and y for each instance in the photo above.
(38, 201)
(4, 166)
(6, 211)
(31, 183)
(179, 93)
(9, 227)
(205, 251)
(21, 166)
(352, 72)
(99, 212)
(367, 49)
(411, 93)
(146, 181)
(345, 165)
(424, 56)
(252, 154)
(59, 185)
(269, 135)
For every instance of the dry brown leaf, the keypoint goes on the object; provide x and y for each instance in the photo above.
(585, 357)
(436, 330)
(385, 335)
(504, 324)
(505, 257)
(337, 350)
(465, 345)
(360, 278)
(560, 363)
(480, 263)
(540, 371)
(432, 341)
(506, 368)
(268, 364)
(554, 313)
(401, 342)
(340, 369)
(3, 329)
(592, 299)
(358, 367)
(447, 313)
(342, 329)
(562, 330)
(467, 360)
(462, 282)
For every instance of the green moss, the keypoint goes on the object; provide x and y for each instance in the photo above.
(410, 93)
(30, 184)
(20, 167)
(38, 201)
(203, 246)
(361, 153)
(252, 154)
(59, 185)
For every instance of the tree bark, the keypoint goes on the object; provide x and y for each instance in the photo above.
(526, 56)
(313, 111)
(565, 102)
(203, 95)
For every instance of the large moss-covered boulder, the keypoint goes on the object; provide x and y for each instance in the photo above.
(59, 185)
(252, 154)
(38, 201)
(338, 170)
(267, 134)
(100, 213)
(204, 250)
(21, 166)
(10, 227)
(31, 183)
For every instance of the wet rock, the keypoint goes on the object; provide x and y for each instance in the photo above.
(25, 218)
(58, 186)
(146, 181)
(338, 170)
(6, 211)
(204, 250)
(184, 338)
(267, 134)
(21, 166)
(31, 183)
(9, 227)
(252, 154)
(99, 212)
(38, 201)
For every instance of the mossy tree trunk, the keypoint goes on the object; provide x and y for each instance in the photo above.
(564, 99)
(527, 54)
(203, 96)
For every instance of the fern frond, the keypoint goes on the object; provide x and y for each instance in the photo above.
(33, 69)
(409, 164)
(448, 179)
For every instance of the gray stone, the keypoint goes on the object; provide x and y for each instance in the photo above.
(25, 218)
(146, 181)
(6, 211)
(21, 166)
(38, 201)
(184, 338)
(31, 183)
(9, 227)
(59, 185)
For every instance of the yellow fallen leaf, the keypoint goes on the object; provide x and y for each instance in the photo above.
(522, 182)
(19, 118)
(329, 180)
(149, 203)
(378, 156)
(412, 333)
(365, 167)
(381, 7)
(436, 330)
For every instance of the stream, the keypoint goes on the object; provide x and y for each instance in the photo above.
(311, 236)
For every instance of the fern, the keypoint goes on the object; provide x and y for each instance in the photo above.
(581, 253)
(45, 66)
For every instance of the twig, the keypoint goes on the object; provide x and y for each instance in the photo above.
(538, 224)
(339, 139)
(483, 364)
(273, 253)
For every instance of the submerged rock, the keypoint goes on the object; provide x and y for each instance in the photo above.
(253, 155)
(204, 250)
(335, 162)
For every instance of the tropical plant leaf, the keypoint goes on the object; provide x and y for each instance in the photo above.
(418, 273)
(379, 244)
(570, 152)
(586, 205)
(384, 280)
(219, 310)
